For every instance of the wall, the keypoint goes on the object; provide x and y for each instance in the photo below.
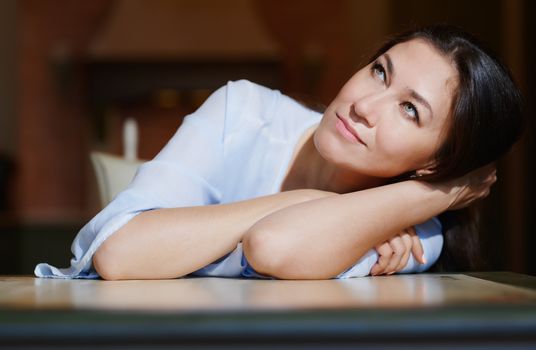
(8, 25)
(42, 51)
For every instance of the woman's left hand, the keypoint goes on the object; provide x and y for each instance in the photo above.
(394, 254)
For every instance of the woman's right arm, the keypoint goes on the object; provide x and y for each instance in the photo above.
(300, 241)
(172, 242)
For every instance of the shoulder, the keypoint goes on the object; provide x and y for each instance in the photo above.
(260, 105)
(246, 86)
(244, 95)
(231, 106)
(245, 92)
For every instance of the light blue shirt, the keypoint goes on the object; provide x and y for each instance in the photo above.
(236, 146)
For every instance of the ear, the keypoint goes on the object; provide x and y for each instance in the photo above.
(426, 169)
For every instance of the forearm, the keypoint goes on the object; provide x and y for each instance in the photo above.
(321, 238)
(168, 243)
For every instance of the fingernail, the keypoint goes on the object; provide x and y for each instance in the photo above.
(423, 259)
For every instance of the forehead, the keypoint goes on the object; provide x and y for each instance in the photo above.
(419, 66)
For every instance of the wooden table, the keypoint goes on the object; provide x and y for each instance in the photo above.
(430, 311)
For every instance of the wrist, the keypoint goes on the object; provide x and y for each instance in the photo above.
(440, 193)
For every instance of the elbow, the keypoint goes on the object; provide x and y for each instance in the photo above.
(106, 262)
(270, 255)
(263, 252)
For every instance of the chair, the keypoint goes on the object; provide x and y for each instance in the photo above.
(113, 172)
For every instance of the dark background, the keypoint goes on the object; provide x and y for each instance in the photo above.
(72, 71)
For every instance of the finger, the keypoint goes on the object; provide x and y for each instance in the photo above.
(385, 252)
(480, 175)
(489, 168)
(416, 248)
(408, 243)
(418, 251)
(490, 173)
(398, 250)
(491, 178)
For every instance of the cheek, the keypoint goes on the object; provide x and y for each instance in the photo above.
(394, 141)
(404, 146)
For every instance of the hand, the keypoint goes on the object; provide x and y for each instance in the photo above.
(470, 187)
(394, 254)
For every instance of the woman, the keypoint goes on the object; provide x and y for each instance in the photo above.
(254, 184)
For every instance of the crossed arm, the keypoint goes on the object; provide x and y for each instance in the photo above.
(303, 234)
(321, 238)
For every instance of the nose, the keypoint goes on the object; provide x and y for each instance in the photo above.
(365, 110)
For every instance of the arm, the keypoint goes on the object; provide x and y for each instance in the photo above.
(321, 238)
(187, 179)
(172, 242)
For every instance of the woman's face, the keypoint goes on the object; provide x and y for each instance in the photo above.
(397, 106)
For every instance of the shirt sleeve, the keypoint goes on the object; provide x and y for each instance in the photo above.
(431, 236)
(186, 172)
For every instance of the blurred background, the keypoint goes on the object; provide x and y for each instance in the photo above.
(72, 71)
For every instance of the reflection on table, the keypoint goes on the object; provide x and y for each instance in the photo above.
(190, 294)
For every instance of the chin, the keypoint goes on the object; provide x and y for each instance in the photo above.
(332, 150)
(326, 146)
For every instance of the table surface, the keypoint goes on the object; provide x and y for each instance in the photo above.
(437, 307)
(213, 294)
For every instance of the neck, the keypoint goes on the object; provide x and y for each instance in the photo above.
(311, 170)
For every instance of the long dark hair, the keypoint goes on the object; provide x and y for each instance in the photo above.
(486, 120)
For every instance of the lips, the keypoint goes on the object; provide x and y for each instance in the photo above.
(351, 130)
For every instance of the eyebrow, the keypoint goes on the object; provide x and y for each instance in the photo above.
(390, 68)
(413, 93)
